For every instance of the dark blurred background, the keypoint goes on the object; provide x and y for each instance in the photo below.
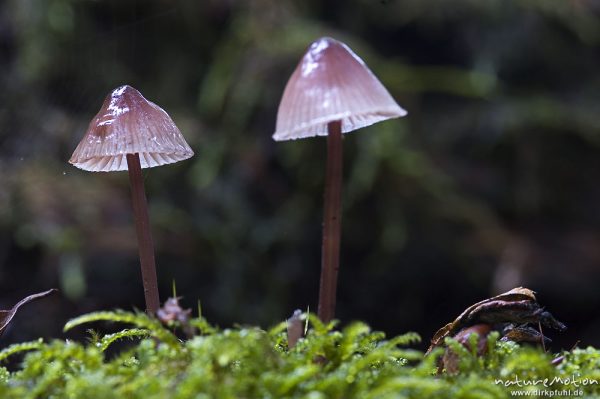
(492, 180)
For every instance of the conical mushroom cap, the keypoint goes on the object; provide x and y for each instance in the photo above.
(332, 83)
(127, 123)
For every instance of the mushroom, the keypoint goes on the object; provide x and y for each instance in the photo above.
(131, 133)
(331, 92)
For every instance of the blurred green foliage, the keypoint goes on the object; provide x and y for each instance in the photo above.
(489, 182)
(248, 362)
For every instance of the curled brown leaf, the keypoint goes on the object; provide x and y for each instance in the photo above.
(6, 316)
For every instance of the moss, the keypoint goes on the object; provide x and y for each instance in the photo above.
(248, 362)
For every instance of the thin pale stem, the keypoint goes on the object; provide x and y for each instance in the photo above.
(332, 221)
(542, 336)
(142, 226)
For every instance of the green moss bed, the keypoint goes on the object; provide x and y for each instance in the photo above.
(150, 360)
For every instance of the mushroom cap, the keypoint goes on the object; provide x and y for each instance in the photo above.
(332, 83)
(127, 123)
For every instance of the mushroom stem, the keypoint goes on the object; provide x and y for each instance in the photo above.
(142, 226)
(332, 220)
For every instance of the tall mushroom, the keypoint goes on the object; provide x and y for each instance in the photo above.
(131, 133)
(331, 92)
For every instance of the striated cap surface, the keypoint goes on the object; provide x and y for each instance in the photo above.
(332, 83)
(127, 123)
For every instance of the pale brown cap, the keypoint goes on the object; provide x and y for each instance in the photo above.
(332, 83)
(127, 123)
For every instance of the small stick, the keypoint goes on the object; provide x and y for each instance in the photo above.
(542, 334)
(142, 226)
(295, 329)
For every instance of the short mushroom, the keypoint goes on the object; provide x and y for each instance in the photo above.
(331, 92)
(131, 133)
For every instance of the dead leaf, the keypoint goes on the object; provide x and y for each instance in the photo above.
(7, 315)
(518, 305)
